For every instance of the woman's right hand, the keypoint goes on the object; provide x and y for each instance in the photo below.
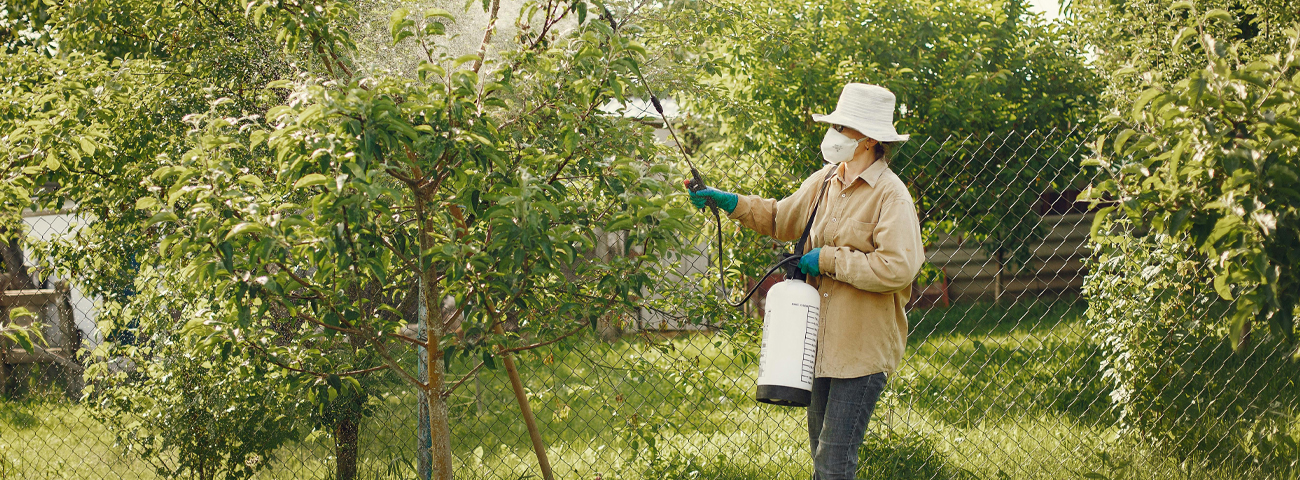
(725, 200)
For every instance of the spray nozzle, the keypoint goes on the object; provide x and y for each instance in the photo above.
(694, 184)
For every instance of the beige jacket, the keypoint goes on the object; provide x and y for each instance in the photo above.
(871, 246)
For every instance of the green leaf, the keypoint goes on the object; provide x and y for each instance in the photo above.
(1098, 220)
(1250, 78)
(1122, 139)
(620, 223)
(1181, 38)
(146, 203)
(464, 58)
(251, 180)
(1222, 228)
(23, 341)
(86, 146)
(1219, 14)
(163, 217)
(397, 23)
(311, 180)
(1221, 285)
(438, 12)
(246, 227)
(1237, 327)
(1179, 219)
(1142, 101)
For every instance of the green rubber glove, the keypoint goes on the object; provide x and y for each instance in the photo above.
(810, 264)
(726, 201)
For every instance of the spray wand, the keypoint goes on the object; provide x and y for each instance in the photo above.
(695, 184)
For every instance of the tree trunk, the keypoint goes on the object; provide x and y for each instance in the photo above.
(4, 372)
(434, 430)
(439, 424)
(434, 427)
(346, 432)
(998, 284)
(12, 255)
(71, 342)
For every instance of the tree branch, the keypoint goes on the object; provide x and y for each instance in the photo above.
(487, 35)
(414, 341)
(382, 350)
(541, 344)
(313, 373)
(447, 393)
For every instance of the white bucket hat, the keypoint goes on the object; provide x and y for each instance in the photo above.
(869, 109)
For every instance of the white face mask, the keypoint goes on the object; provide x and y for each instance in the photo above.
(838, 147)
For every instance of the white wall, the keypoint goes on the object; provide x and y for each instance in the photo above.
(44, 226)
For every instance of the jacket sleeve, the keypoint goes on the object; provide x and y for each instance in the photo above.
(781, 219)
(895, 262)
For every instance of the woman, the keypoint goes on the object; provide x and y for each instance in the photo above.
(865, 251)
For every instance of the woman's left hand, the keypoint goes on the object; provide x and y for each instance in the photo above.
(809, 262)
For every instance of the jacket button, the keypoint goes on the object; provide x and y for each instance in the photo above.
(826, 294)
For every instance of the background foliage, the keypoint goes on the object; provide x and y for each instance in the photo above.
(751, 75)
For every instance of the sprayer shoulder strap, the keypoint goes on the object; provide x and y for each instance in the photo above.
(807, 229)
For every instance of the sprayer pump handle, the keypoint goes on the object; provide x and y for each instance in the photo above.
(790, 263)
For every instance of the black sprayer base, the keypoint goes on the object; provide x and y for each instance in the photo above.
(783, 396)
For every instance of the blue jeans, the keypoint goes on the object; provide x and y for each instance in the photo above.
(837, 423)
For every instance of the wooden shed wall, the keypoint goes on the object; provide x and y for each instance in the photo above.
(972, 274)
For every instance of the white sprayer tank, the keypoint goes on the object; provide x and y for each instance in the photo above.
(789, 351)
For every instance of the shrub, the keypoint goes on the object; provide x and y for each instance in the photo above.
(1177, 380)
(194, 416)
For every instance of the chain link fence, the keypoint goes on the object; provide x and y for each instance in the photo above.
(1011, 370)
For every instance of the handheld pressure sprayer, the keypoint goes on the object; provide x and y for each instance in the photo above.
(792, 311)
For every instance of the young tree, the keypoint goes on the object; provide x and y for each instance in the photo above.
(95, 94)
(486, 181)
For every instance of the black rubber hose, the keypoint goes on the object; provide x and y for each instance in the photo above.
(770, 271)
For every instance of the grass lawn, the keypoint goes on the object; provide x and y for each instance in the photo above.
(985, 392)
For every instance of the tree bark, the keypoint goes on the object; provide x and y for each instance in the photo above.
(12, 255)
(71, 342)
(998, 280)
(437, 437)
(346, 432)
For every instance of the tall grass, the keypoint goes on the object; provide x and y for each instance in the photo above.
(986, 391)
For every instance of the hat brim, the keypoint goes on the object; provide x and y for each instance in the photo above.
(877, 133)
